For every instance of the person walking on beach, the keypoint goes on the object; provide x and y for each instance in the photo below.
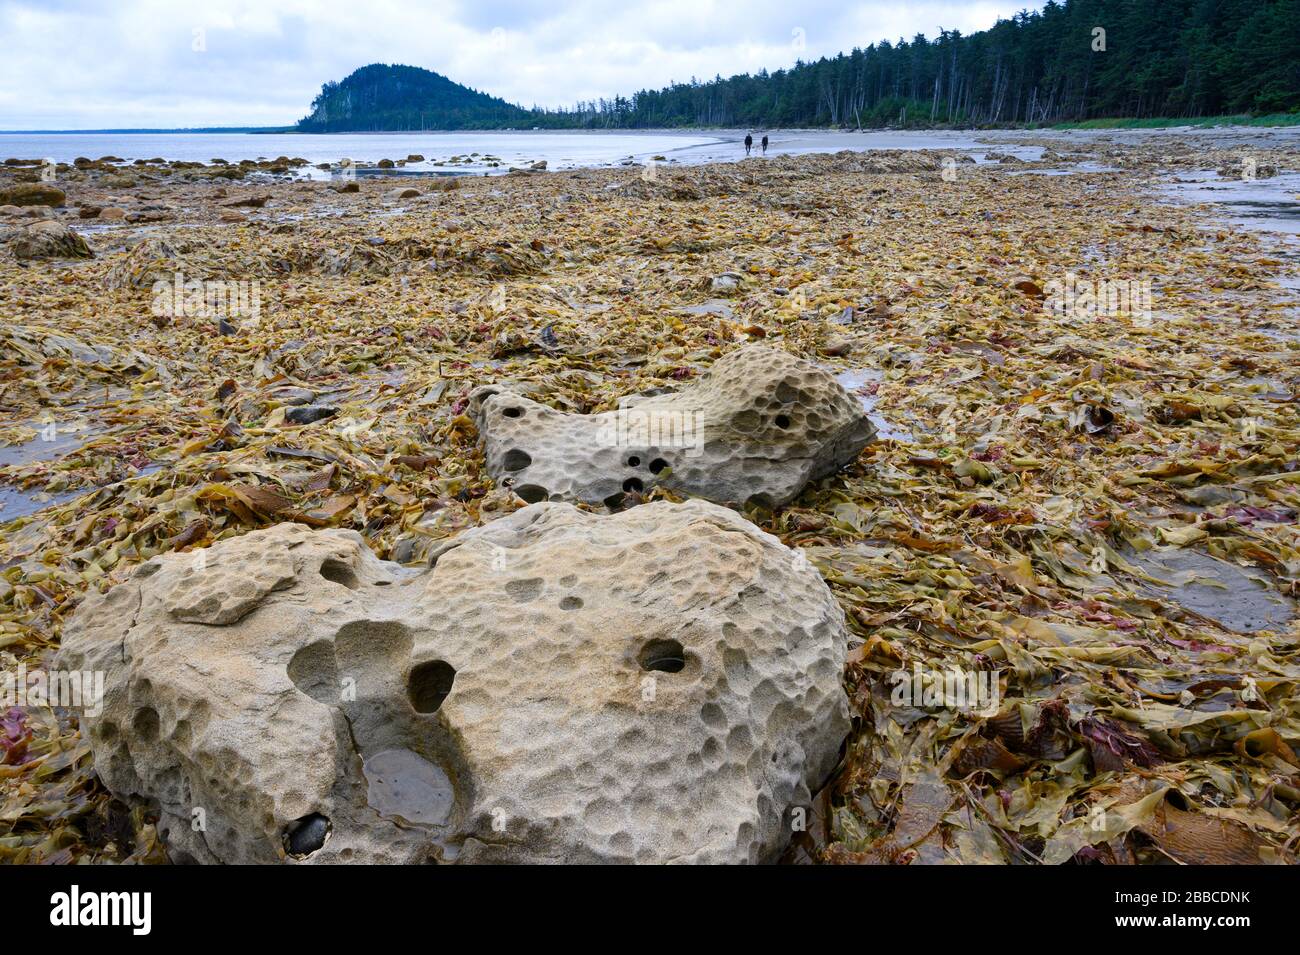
(765, 144)
(749, 143)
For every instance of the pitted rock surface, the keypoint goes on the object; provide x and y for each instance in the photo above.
(757, 427)
(661, 684)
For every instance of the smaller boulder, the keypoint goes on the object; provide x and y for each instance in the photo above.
(755, 428)
(32, 194)
(48, 240)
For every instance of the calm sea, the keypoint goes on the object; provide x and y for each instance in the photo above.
(561, 150)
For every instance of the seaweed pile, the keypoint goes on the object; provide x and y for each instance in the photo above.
(1093, 511)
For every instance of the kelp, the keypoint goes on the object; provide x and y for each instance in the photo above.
(1032, 464)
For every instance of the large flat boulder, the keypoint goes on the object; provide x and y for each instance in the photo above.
(757, 427)
(658, 685)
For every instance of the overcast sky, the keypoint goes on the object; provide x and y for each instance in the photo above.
(66, 64)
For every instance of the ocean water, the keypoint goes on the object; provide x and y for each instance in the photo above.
(560, 150)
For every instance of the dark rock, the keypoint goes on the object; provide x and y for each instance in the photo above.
(310, 414)
(307, 835)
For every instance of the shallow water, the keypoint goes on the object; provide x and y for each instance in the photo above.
(1269, 205)
(854, 381)
(408, 786)
(50, 444)
(16, 503)
(1241, 599)
(560, 150)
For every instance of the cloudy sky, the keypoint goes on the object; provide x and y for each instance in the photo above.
(161, 63)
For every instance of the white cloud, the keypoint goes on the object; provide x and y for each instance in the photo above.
(78, 65)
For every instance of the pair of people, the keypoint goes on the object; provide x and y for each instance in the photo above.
(749, 143)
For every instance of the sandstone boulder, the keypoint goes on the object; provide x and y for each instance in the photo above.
(757, 427)
(659, 685)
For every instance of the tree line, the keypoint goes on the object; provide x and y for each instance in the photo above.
(1073, 60)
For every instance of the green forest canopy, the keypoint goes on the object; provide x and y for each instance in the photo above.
(1156, 58)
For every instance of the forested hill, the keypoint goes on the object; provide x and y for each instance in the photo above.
(381, 97)
(1076, 60)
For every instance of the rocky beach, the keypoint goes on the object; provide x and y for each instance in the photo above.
(1016, 419)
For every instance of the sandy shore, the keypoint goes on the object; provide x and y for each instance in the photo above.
(1019, 442)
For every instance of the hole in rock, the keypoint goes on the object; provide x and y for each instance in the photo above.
(524, 589)
(429, 684)
(513, 412)
(532, 493)
(615, 501)
(571, 603)
(657, 465)
(633, 461)
(304, 836)
(666, 656)
(146, 724)
(340, 573)
(633, 484)
(783, 421)
(314, 671)
(516, 460)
